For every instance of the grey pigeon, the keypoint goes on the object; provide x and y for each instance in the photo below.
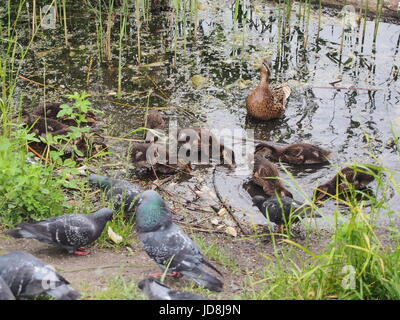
(168, 245)
(122, 193)
(155, 290)
(280, 211)
(5, 291)
(27, 276)
(71, 231)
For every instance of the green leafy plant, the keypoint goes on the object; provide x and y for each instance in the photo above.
(79, 109)
(30, 190)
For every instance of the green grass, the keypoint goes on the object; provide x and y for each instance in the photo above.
(119, 288)
(213, 252)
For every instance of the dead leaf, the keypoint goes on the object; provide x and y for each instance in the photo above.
(113, 236)
(232, 231)
(198, 80)
(222, 212)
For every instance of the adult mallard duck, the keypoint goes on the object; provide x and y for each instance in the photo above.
(357, 176)
(266, 175)
(298, 153)
(266, 102)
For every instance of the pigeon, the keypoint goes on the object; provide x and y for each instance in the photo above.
(168, 245)
(155, 290)
(122, 193)
(71, 231)
(5, 291)
(280, 211)
(27, 276)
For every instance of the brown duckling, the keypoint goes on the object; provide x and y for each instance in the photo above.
(41, 126)
(51, 110)
(206, 144)
(266, 175)
(359, 177)
(266, 102)
(155, 156)
(298, 153)
(155, 122)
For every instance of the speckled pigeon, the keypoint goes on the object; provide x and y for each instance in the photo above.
(155, 290)
(168, 245)
(71, 231)
(280, 211)
(5, 291)
(122, 193)
(27, 276)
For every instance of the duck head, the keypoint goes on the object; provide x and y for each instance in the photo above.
(266, 69)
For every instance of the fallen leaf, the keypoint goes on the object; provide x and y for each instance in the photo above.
(113, 236)
(222, 212)
(198, 80)
(232, 231)
(151, 65)
(214, 221)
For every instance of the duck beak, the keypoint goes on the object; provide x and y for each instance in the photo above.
(267, 65)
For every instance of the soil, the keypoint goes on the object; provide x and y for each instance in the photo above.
(92, 273)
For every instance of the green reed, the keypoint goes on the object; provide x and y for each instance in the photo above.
(379, 6)
(122, 31)
(65, 22)
(138, 27)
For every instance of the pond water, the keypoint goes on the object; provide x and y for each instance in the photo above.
(355, 120)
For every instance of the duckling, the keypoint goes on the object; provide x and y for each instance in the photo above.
(266, 175)
(41, 126)
(267, 102)
(359, 177)
(298, 153)
(156, 123)
(51, 110)
(206, 144)
(155, 120)
(155, 156)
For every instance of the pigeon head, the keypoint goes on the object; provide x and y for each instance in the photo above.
(150, 197)
(99, 181)
(152, 212)
(258, 201)
(104, 214)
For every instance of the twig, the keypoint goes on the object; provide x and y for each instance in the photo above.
(35, 82)
(344, 88)
(227, 207)
(123, 139)
(186, 226)
(131, 106)
(157, 86)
